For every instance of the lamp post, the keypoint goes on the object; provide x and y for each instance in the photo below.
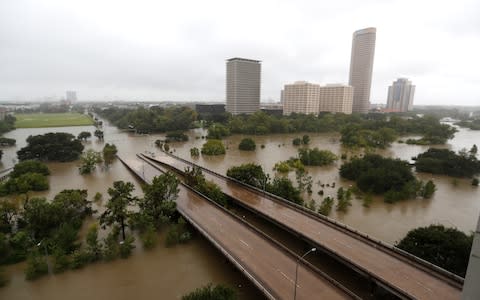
(296, 271)
(46, 255)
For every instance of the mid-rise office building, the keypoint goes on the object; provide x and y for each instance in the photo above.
(300, 97)
(361, 67)
(400, 95)
(243, 86)
(336, 98)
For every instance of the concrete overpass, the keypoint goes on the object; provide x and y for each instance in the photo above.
(400, 273)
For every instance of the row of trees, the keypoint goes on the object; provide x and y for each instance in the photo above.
(370, 130)
(148, 120)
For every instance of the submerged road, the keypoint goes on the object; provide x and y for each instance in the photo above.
(398, 273)
(266, 263)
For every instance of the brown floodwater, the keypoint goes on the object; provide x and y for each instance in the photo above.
(167, 273)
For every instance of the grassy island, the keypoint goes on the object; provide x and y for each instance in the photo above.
(39, 120)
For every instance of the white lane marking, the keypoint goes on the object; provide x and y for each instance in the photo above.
(243, 242)
(284, 275)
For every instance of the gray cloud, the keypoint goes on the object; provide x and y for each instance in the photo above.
(176, 51)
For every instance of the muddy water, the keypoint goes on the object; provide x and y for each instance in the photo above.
(168, 273)
(163, 273)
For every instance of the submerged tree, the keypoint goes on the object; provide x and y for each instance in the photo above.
(117, 211)
(109, 153)
(159, 200)
(89, 160)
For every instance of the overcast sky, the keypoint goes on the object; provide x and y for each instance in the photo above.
(176, 50)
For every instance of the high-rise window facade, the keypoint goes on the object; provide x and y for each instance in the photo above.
(361, 67)
(243, 86)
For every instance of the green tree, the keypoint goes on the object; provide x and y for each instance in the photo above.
(84, 135)
(29, 166)
(117, 209)
(94, 248)
(475, 181)
(297, 141)
(444, 161)
(53, 146)
(210, 292)
(89, 159)
(194, 152)
(283, 187)
(159, 198)
(306, 139)
(36, 266)
(428, 189)
(326, 206)
(8, 215)
(217, 131)
(213, 147)
(247, 144)
(99, 134)
(109, 153)
(445, 247)
(316, 157)
(250, 174)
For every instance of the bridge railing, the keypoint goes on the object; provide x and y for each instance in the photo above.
(399, 253)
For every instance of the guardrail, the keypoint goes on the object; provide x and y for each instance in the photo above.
(434, 270)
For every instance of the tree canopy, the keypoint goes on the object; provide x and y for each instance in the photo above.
(251, 174)
(247, 144)
(154, 119)
(53, 146)
(159, 198)
(210, 292)
(117, 209)
(213, 147)
(376, 174)
(445, 247)
(444, 161)
(316, 157)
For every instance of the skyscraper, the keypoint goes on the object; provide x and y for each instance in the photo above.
(400, 95)
(361, 67)
(243, 85)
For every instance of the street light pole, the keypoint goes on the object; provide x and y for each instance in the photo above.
(296, 271)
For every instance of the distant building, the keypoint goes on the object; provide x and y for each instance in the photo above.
(243, 86)
(216, 108)
(3, 112)
(336, 98)
(282, 96)
(301, 97)
(71, 97)
(361, 67)
(311, 98)
(400, 95)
